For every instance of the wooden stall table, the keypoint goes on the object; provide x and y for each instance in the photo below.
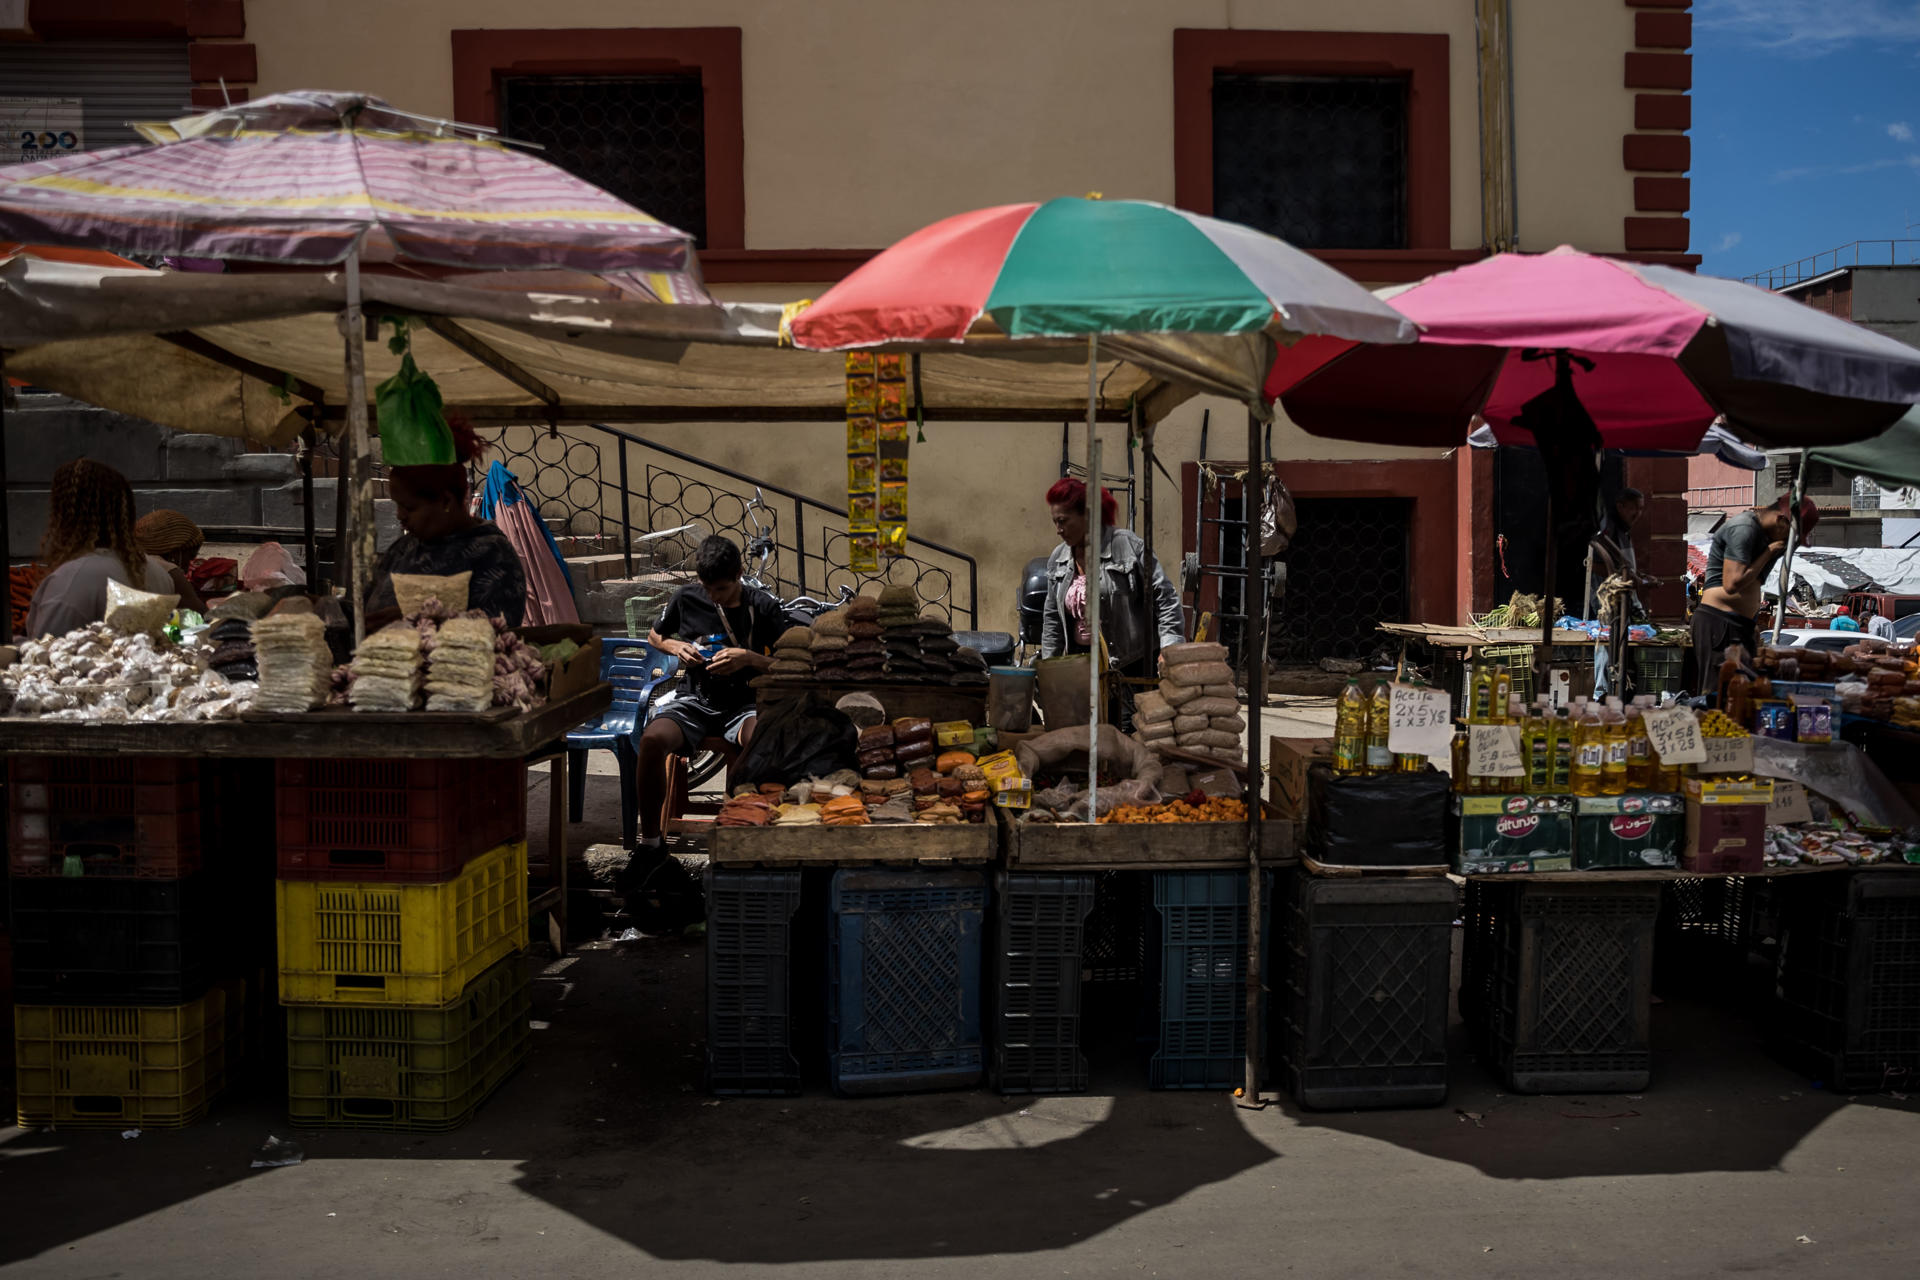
(498, 734)
(1171, 846)
(876, 844)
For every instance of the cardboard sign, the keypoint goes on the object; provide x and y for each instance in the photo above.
(1789, 804)
(1494, 750)
(1422, 721)
(1675, 737)
(1727, 755)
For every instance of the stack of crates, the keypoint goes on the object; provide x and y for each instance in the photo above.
(1846, 998)
(117, 935)
(1203, 977)
(402, 898)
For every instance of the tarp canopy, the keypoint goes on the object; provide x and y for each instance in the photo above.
(1892, 459)
(243, 355)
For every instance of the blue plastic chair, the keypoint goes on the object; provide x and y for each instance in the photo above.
(636, 670)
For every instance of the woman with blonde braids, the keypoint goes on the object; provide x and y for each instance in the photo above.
(89, 540)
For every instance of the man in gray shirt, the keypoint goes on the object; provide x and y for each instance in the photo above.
(1744, 549)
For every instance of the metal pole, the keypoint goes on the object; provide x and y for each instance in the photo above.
(6, 514)
(1151, 602)
(1254, 637)
(359, 476)
(306, 506)
(342, 559)
(800, 551)
(1093, 572)
(626, 513)
(1793, 539)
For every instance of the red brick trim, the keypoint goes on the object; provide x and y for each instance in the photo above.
(234, 63)
(1662, 111)
(1659, 152)
(1668, 234)
(480, 57)
(1659, 71)
(1661, 195)
(107, 19)
(1663, 30)
(1659, 4)
(217, 19)
(1684, 261)
(1197, 54)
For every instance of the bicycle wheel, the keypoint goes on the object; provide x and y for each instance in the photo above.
(702, 767)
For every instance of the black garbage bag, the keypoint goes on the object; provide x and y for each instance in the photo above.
(805, 738)
(1387, 820)
(662, 896)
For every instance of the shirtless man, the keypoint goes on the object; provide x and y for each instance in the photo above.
(1744, 549)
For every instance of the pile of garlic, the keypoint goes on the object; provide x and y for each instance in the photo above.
(96, 673)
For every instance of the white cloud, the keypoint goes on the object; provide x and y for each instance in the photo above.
(1910, 161)
(1810, 28)
(1727, 242)
(1900, 131)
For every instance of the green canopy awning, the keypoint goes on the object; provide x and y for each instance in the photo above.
(1891, 459)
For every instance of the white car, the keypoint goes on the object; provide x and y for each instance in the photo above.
(1812, 638)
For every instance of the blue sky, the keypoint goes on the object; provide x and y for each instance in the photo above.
(1806, 128)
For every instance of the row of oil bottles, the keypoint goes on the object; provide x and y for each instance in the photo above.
(1588, 749)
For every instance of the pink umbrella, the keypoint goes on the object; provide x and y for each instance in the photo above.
(1654, 355)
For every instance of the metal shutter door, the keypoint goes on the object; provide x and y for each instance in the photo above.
(116, 81)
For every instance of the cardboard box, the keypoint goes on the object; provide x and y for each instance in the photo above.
(1508, 833)
(1287, 763)
(1725, 839)
(578, 673)
(1709, 790)
(1637, 830)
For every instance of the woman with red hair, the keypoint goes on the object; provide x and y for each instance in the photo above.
(1137, 602)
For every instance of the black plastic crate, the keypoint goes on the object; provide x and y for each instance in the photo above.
(90, 940)
(1846, 1001)
(1118, 935)
(1369, 966)
(1203, 977)
(1038, 936)
(749, 981)
(1706, 932)
(1561, 984)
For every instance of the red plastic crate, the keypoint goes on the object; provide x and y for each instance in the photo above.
(395, 820)
(122, 816)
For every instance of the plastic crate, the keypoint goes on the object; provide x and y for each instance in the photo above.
(343, 942)
(1846, 1003)
(1038, 934)
(112, 941)
(1560, 981)
(418, 1070)
(119, 1066)
(749, 981)
(1705, 934)
(394, 821)
(1657, 668)
(1369, 972)
(903, 965)
(106, 816)
(1117, 936)
(1203, 978)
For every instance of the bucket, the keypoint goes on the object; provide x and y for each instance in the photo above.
(1063, 689)
(1010, 699)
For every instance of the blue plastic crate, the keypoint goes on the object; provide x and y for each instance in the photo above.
(1039, 925)
(903, 964)
(749, 976)
(1203, 977)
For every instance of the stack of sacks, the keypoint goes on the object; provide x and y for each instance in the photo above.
(913, 745)
(937, 647)
(797, 815)
(1206, 706)
(1153, 719)
(296, 667)
(874, 753)
(936, 812)
(900, 634)
(897, 807)
(792, 656)
(844, 811)
(750, 810)
(899, 606)
(866, 656)
(829, 646)
(386, 670)
(968, 666)
(460, 666)
(232, 656)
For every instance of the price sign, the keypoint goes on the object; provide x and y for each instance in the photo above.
(1789, 804)
(1422, 721)
(1675, 737)
(1728, 755)
(1494, 750)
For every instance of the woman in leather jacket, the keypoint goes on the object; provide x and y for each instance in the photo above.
(1130, 616)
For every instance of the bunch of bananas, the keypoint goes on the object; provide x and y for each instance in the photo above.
(1718, 724)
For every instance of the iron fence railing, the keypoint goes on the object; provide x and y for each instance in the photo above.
(1859, 253)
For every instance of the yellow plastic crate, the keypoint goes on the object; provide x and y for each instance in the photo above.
(119, 1066)
(351, 942)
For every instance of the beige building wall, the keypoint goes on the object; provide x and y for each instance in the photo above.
(867, 120)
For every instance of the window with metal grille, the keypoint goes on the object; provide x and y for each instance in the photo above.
(643, 138)
(1320, 161)
(1347, 572)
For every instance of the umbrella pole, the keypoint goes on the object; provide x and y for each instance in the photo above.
(1094, 572)
(6, 515)
(1793, 540)
(359, 463)
(1254, 639)
(306, 506)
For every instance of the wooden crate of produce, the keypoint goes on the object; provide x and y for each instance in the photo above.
(1189, 846)
(907, 844)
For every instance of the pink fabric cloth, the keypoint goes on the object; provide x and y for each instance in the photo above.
(548, 597)
(1076, 603)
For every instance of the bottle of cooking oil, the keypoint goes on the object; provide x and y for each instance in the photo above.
(1379, 719)
(1639, 750)
(1613, 771)
(1536, 744)
(1482, 712)
(1589, 752)
(1460, 777)
(1350, 731)
(1562, 752)
(1502, 695)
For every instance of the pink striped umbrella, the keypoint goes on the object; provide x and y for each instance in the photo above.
(306, 178)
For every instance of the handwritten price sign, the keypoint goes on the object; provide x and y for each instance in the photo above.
(1494, 750)
(1728, 755)
(1675, 737)
(1422, 721)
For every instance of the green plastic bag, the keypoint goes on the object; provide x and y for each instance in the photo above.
(413, 430)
